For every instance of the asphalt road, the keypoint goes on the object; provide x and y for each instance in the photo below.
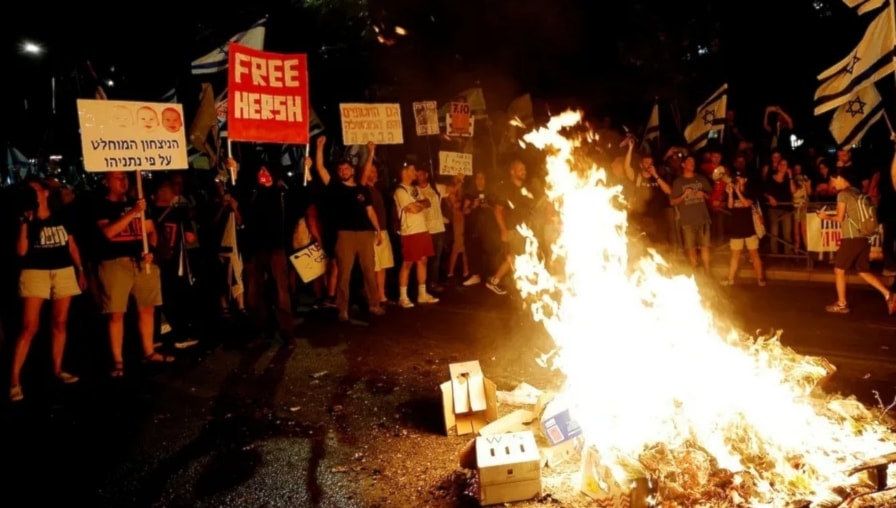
(346, 414)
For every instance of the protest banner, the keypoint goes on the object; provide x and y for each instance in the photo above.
(455, 163)
(825, 235)
(377, 123)
(459, 120)
(426, 116)
(132, 136)
(267, 96)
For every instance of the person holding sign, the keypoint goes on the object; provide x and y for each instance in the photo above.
(357, 228)
(126, 269)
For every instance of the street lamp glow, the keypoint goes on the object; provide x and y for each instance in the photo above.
(32, 48)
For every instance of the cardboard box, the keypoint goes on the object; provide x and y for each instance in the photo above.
(509, 467)
(567, 451)
(599, 484)
(557, 424)
(469, 400)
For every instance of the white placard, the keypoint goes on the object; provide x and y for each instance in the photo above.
(365, 123)
(455, 163)
(132, 136)
(825, 235)
(310, 262)
(426, 116)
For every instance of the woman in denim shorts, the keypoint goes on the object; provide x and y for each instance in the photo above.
(51, 270)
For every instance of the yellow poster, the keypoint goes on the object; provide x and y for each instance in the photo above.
(132, 136)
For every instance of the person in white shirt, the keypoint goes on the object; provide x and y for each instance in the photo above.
(416, 242)
(435, 224)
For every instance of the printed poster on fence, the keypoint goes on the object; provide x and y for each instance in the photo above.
(455, 163)
(365, 123)
(267, 96)
(426, 116)
(132, 136)
(459, 120)
(824, 236)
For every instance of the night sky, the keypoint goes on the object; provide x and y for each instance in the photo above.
(611, 58)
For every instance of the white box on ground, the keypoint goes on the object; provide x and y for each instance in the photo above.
(469, 399)
(509, 467)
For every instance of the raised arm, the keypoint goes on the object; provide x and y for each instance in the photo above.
(368, 164)
(629, 170)
(319, 161)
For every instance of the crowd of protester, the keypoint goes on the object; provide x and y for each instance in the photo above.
(199, 247)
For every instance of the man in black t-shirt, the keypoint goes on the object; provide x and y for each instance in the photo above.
(515, 206)
(126, 268)
(352, 217)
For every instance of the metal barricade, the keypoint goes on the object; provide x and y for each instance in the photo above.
(773, 242)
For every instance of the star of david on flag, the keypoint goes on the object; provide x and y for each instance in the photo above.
(853, 118)
(710, 117)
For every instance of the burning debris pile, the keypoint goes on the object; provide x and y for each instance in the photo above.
(660, 391)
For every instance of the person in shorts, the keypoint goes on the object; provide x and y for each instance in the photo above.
(854, 252)
(383, 259)
(126, 270)
(416, 242)
(689, 194)
(51, 270)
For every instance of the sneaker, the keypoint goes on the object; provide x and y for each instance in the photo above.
(405, 303)
(493, 285)
(472, 280)
(427, 298)
(67, 378)
(891, 304)
(727, 283)
(377, 311)
(838, 308)
(436, 288)
(15, 393)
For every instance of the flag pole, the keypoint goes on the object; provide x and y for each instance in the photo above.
(892, 8)
(889, 125)
(146, 266)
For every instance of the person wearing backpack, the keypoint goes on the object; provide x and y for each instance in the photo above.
(857, 218)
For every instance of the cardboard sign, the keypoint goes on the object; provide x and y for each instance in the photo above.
(455, 163)
(365, 123)
(132, 136)
(310, 262)
(426, 116)
(267, 96)
(459, 120)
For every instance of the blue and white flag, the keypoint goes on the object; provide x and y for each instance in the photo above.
(871, 60)
(853, 118)
(217, 60)
(710, 118)
(863, 6)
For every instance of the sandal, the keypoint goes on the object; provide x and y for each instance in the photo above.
(118, 370)
(156, 357)
(66, 378)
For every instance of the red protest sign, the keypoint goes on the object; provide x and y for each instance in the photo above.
(267, 96)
